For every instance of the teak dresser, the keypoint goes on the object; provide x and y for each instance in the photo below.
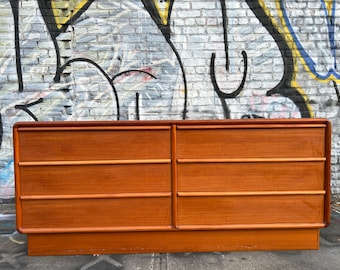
(172, 186)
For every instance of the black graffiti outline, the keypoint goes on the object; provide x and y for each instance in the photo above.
(137, 106)
(128, 72)
(25, 107)
(335, 85)
(107, 77)
(222, 95)
(166, 31)
(284, 87)
(49, 18)
(61, 69)
(47, 14)
(1, 130)
(15, 12)
(131, 71)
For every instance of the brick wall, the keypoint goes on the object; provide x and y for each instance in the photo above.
(134, 59)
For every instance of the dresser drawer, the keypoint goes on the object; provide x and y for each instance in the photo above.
(63, 215)
(85, 144)
(250, 210)
(251, 176)
(207, 143)
(95, 179)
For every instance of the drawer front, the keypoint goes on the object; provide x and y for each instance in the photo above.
(95, 213)
(250, 143)
(94, 179)
(94, 145)
(246, 210)
(248, 176)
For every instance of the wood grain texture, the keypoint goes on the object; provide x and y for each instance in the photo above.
(173, 241)
(218, 210)
(95, 179)
(78, 213)
(94, 145)
(247, 143)
(251, 176)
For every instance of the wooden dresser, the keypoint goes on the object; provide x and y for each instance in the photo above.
(172, 186)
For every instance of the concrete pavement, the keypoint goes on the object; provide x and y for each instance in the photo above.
(13, 255)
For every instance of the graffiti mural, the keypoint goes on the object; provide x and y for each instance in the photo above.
(285, 87)
(160, 12)
(164, 59)
(222, 95)
(326, 69)
(56, 23)
(325, 40)
(59, 17)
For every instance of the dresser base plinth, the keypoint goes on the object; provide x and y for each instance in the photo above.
(172, 241)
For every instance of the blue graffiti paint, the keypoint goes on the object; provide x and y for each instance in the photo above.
(329, 14)
(7, 174)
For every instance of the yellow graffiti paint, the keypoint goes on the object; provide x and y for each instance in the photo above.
(329, 6)
(70, 7)
(163, 10)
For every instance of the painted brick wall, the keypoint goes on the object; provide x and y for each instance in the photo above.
(144, 59)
